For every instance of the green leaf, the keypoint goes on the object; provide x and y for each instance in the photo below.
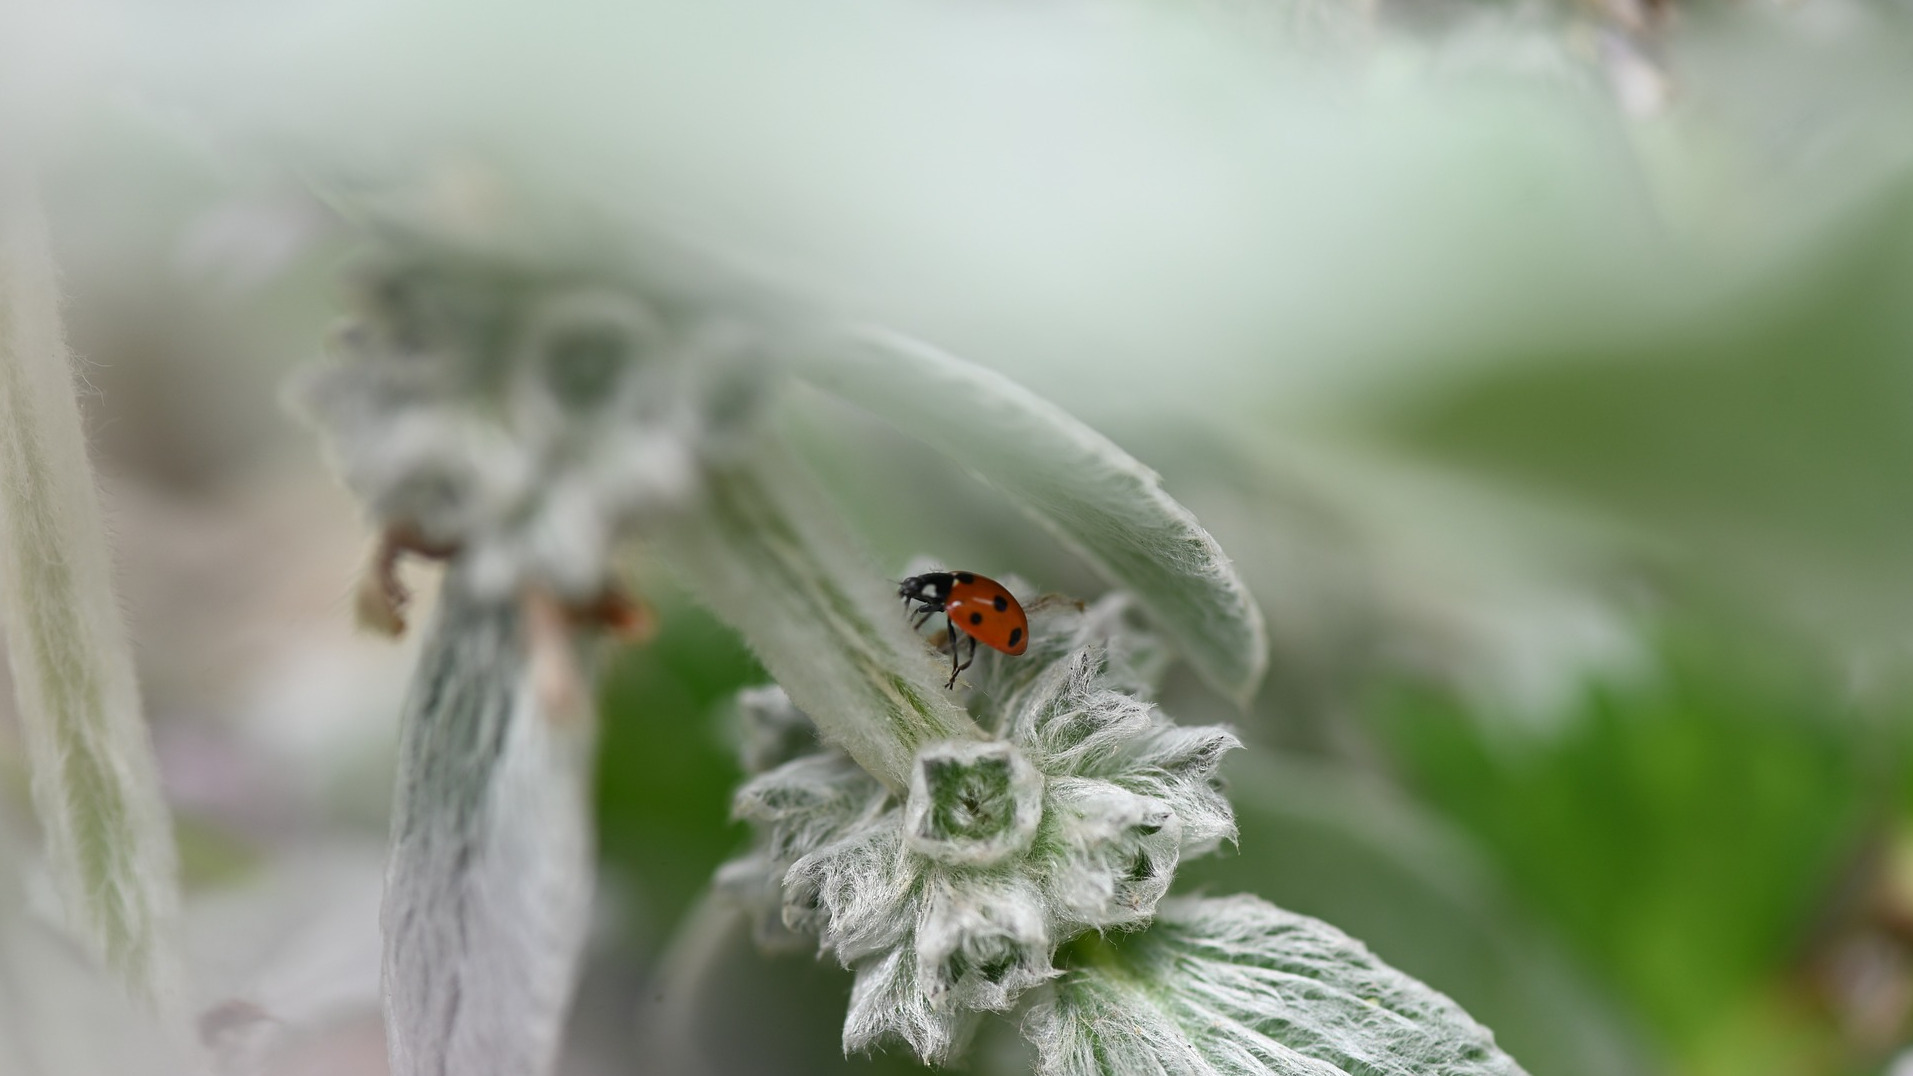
(1235, 987)
(764, 553)
(1090, 493)
(1327, 839)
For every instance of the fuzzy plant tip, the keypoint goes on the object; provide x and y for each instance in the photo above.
(949, 899)
(518, 421)
(525, 419)
(974, 803)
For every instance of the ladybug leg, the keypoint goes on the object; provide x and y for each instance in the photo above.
(922, 616)
(956, 644)
(967, 662)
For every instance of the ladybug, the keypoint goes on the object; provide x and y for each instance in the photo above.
(981, 608)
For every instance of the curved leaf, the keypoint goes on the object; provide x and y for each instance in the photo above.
(818, 617)
(1090, 493)
(1238, 987)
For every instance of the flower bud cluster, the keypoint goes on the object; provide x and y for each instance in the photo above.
(527, 418)
(951, 900)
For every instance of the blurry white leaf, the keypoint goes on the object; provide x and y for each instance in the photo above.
(1080, 485)
(61, 1012)
(489, 884)
(764, 554)
(108, 838)
(1238, 986)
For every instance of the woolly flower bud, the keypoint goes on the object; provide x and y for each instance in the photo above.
(953, 901)
(972, 803)
(525, 417)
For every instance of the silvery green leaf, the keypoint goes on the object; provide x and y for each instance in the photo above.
(809, 802)
(981, 940)
(770, 730)
(1321, 838)
(763, 552)
(489, 883)
(1069, 721)
(1079, 484)
(889, 1001)
(108, 837)
(1177, 764)
(1238, 987)
(859, 895)
(1116, 853)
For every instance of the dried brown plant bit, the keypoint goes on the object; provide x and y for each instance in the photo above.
(563, 692)
(378, 603)
(381, 598)
(623, 614)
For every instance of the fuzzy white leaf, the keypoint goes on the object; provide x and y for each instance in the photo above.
(1238, 987)
(1117, 853)
(489, 883)
(762, 551)
(1079, 484)
(982, 940)
(108, 837)
(809, 802)
(888, 1001)
(858, 894)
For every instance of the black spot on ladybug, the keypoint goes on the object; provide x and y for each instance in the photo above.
(1002, 603)
(965, 577)
(976, 618)
(1016, 636)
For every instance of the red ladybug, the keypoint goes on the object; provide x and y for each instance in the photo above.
(981, 608)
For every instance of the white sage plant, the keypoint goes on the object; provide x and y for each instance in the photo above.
(1007, 844)
(951, 900)
(1037, 864)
